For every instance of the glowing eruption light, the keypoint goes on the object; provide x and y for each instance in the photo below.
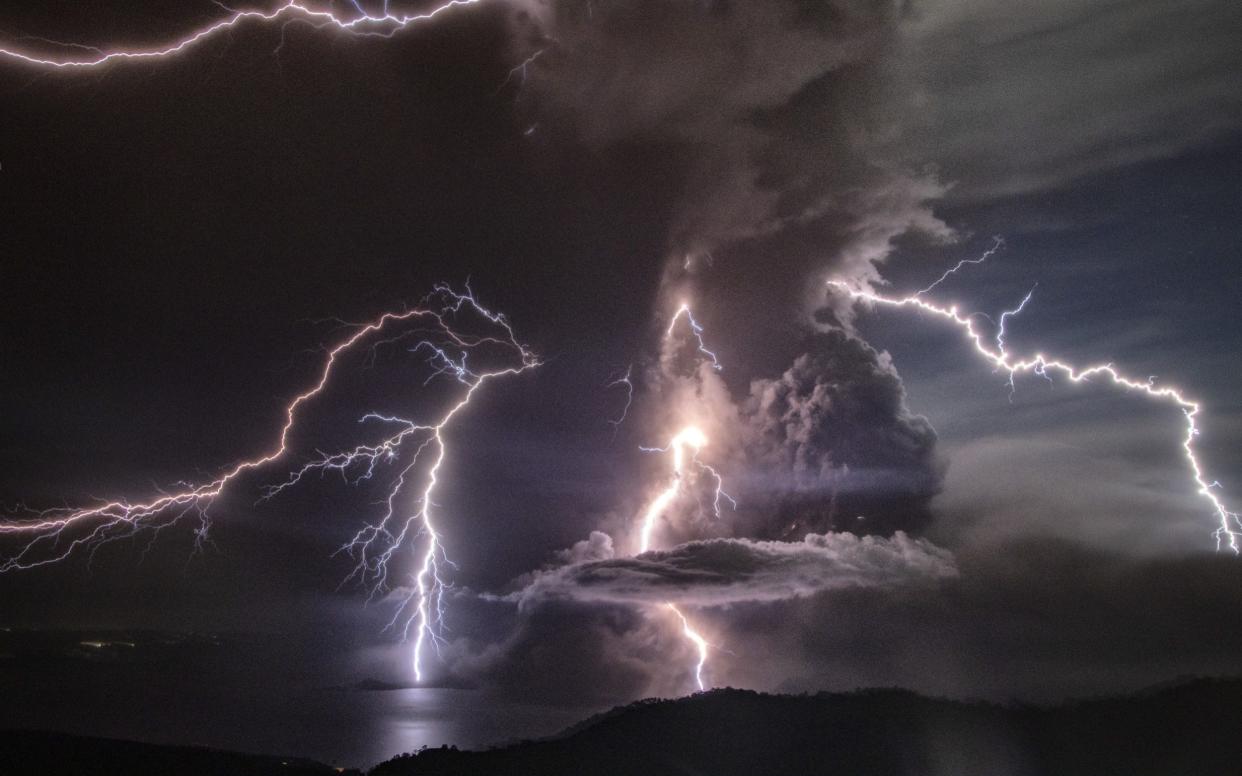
(684, 446)
(357, 21)
(693, 438)
(54, 535)
(687, 437)
(996, 353)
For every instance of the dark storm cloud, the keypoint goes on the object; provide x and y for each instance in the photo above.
(585, 654)
(828, 445)
(1013, 97)
(720, 572)
(833, 437)
(1100, 483)
(765, 101)
(789, 140)
(768, 110)
(1031, 618)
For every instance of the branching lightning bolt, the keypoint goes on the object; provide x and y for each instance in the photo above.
(696, 330)
(359, 22)
(1230, 525)
(628, 382)
(54, 535)
(997, 243)
(692, 439)
(699, 642)
(689, 437)
(1000, 340)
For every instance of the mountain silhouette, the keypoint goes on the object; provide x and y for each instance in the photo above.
(40, 753)
(1188, 728)
(1193, 729)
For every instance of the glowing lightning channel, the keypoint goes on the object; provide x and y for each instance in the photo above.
(1230, 522)
(997, 243)
(691, 439)
(623, 380)
(695, 329)
(360, 22)
(1000, 322)
(687, 437)
(697, 640)
(519, 70)
(376, 544)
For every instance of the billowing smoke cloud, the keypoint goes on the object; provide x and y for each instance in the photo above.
(595, 629)
(766, 111)
(1040, 618)
(831, 445)
(1150, 79)
(777, 117)
(696, 73)
(769, 109)
(722, 572)
(828, 445)
(1036, 618)
(583, 653)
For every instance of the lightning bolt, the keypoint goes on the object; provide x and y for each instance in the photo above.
(997, 243)
(684, 446)
(520, 70)
(997, 354)
(359, 22)
(699, 642)
(696, 330)
(54, 535)
(623, 380)
(1000, 339)
(689, 437)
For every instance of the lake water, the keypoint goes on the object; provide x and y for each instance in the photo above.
(238, 697)
(341, 727)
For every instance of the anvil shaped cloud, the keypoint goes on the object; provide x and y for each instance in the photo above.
(721, 572)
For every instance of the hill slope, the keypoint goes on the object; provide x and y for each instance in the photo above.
(1193, 729)
(39, 753)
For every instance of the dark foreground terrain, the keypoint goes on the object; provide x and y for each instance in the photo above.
(1193, 729)
(1190, 729)
(56, 754)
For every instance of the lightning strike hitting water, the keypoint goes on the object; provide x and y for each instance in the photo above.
(54, 535)
(358, 21)
(1230, 527)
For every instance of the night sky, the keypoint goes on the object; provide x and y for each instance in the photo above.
(182, 238)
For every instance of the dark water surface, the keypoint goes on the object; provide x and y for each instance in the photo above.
(239, 696)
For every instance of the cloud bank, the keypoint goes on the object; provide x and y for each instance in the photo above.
(723, 572)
